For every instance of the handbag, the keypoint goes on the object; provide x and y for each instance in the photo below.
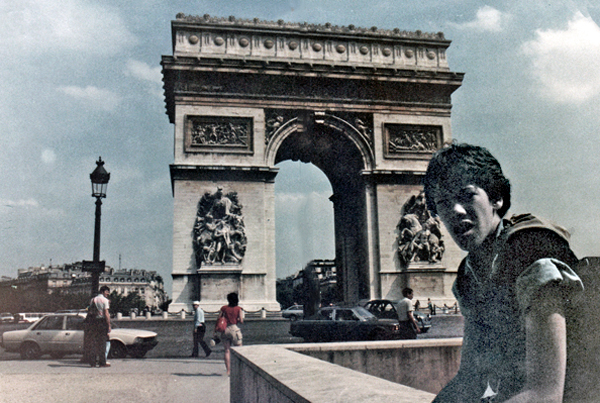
(221, 324)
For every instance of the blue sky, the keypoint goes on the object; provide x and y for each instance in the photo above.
(82, 79)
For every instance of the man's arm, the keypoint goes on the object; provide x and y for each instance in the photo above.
(546, 356)
(414, 321)
(107, 316)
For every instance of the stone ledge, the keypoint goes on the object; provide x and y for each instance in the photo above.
(275, 373)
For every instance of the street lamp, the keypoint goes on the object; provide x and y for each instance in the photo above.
(100, 180)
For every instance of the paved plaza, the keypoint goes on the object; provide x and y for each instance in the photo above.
(127, 380)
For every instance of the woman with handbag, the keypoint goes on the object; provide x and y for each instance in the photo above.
(232, 314)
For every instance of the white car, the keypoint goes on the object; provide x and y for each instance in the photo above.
(62, 333)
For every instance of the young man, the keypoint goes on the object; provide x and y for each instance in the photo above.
(99, 327)
(514, 287)
(199, 331)
(405, 315)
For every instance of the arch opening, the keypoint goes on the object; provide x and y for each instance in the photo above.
(335, 153)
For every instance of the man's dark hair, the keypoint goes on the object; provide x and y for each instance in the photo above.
(104, 288)
(407, 291)
(233, 299)
(466, 164)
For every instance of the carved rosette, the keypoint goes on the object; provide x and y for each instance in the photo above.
(219, 234)
(419, 234)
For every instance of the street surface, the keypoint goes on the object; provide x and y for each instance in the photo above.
(167, 374)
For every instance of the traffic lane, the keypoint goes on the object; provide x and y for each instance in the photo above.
(175, 336)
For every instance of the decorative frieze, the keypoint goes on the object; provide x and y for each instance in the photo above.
(400, 139)
(301, 42)
(211, 133)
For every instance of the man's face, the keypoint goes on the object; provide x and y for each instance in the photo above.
(106, 293)
(468, 214)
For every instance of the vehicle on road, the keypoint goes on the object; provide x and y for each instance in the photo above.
(6, 317)
(62, 334)
(387, 309)
(293, 313)
(29, 317)
(335, 323)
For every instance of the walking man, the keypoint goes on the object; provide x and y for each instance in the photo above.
(199, 331)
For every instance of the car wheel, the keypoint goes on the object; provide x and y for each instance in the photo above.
(57, 356)
(117, 350)
(293, 318)
(30, 351)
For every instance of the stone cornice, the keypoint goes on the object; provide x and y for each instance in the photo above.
(232, 38)
(221, 172)
(304, 27)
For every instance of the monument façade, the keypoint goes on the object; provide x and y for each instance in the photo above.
(366, 106)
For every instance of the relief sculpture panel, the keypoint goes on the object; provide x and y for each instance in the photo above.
(226, 134)
(419, 234)
(219, 235)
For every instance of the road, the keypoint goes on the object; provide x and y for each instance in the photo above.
(167, 374)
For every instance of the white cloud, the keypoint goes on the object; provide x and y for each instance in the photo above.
(566, 63)
(143, 71)
(487, 19)
(101, 98)
(48, 156)
(41, 26)
(20, 203)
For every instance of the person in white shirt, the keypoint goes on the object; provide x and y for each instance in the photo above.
(405, 315)
(99, 327)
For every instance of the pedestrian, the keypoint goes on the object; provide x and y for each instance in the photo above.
(232, 335)
(513, 288)
(408, 324)
(199, 331)
(99, 327)
(430, 306)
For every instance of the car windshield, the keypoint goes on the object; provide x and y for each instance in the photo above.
(364, 313)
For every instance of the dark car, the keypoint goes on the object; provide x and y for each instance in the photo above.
(345, 324)
(386, 309)
(294, 312)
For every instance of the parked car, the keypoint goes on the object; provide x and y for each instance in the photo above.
(62, 333)
(294, 312)
(344, 324)
(6, 317)
(29, 317)
(387, 309)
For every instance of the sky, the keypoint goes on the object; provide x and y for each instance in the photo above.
(82, 79)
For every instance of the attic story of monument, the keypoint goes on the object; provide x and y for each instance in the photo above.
(366, 106)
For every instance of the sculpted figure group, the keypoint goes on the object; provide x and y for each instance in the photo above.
(419, 234)
(219, 233)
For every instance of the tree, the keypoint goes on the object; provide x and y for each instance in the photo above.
(125, 303)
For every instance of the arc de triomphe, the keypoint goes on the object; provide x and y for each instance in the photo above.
(366, 106)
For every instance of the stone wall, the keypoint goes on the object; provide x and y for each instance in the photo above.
(390, 371)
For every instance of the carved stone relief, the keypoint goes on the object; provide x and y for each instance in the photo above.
(208, 132)
(419, 234)
(275, 119)
(219, 234)
(400, 139)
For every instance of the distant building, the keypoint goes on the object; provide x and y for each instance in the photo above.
(70, 279)
(291, 289)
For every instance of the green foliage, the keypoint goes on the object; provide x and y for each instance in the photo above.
(125, 303)
(164, 306)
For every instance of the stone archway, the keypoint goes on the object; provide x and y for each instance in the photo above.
(366, 106)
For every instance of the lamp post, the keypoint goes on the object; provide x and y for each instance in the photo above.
(100, 180)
